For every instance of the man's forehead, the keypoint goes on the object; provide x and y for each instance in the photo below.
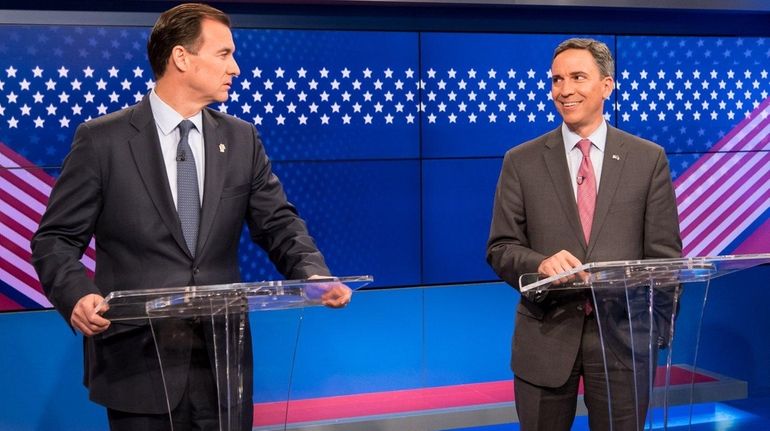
(216, 32)
(214, 27)
(577, 62)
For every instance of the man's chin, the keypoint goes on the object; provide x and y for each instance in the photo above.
(222, 97)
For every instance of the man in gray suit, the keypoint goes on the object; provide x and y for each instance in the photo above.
(584, 192)
(131, 181)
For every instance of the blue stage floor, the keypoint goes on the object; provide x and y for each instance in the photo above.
(751, 414)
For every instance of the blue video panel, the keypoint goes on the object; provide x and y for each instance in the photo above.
(365, 217)
(329, 95)
(54, 78)
(457, 210)
(313, 94)
(705, 99)
(692, 94)
(485, 93)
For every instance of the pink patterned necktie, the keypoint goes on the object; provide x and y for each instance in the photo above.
(586, 189)
(586, 199)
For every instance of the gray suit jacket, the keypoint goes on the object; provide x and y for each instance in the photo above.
(114, 186)
(535, 216)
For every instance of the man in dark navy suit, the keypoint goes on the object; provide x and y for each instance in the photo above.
(165, 187)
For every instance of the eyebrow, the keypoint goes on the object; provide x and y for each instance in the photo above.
(576, 73)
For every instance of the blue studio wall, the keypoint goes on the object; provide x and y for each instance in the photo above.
(392, 158)
(390, 144)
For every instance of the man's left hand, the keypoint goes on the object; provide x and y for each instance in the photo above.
(335, 295)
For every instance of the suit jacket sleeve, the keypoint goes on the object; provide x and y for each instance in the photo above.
(68, 225)
(275, 225)
(508, 248)
(661, 219)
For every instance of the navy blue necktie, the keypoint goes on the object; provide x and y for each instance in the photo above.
(188, 198)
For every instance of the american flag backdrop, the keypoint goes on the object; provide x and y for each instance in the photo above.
(706, 101)
(347, 97)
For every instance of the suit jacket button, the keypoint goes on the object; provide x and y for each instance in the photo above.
(196, 270)
(580, 308)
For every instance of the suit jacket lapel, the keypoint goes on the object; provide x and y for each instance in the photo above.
(216, 163)
(556, 162)
(612, 166)
(145, 148)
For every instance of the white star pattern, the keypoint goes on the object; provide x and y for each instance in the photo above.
(453, 94)
(701, 90)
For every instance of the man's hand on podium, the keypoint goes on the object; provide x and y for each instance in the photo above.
(558, 263)
(335, 294)
(84, 317)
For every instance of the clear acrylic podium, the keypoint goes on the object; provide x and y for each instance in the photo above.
(636, 305)
(225, 308)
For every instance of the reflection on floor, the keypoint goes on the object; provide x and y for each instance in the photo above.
(489, 406)
(751, 414)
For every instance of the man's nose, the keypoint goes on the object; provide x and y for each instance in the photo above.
(234, 69)
(566, 88)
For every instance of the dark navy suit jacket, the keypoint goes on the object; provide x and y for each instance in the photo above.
(114, 187)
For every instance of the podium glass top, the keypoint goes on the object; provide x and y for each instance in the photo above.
(651, 272)
(190, 301)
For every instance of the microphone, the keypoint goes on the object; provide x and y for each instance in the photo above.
(180, 156)
(580, 179)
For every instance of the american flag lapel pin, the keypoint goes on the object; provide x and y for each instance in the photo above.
(221, 148)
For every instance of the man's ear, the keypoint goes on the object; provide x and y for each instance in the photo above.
(609, 85)
(179, 58)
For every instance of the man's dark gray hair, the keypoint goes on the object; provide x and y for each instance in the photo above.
(180, 25)
(599, 51)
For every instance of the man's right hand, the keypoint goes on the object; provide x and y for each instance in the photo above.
(85, 319)
(558, 263)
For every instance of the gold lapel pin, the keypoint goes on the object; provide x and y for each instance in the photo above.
(221, 148)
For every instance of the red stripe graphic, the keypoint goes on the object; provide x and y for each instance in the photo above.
(726, 191)
(24, 191)
(720, 194)
(416, 400)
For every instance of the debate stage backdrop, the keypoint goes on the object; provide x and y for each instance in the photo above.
(390, 143)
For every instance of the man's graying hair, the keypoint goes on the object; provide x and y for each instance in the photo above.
(599, 51)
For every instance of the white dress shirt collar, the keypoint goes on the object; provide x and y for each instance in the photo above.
(598, 138)
(167, 119)
(574, 156)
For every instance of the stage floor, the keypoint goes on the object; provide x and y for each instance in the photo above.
(489, 406)
(751, 414)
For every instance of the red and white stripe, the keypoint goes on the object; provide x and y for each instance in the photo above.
(24, 191)
(728, 189)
